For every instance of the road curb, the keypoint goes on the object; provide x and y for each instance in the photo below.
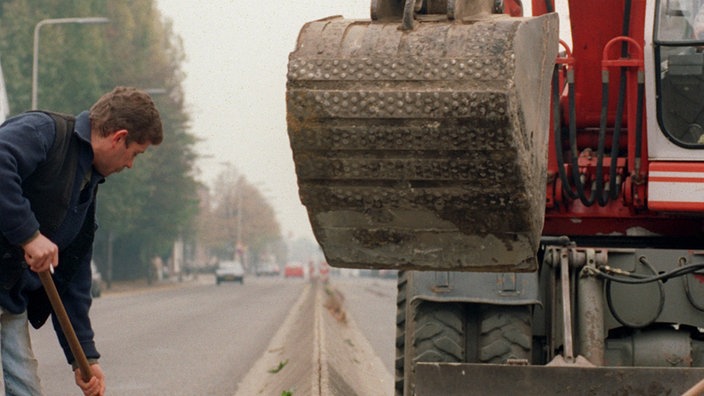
(350, 366)
(317, 353)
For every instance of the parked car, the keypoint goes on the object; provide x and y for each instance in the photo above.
(96, 286)
(231, 271)
(294, 270)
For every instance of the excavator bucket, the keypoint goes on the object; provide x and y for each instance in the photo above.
(423, 148)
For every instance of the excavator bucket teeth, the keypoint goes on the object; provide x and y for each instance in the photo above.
(423, 149)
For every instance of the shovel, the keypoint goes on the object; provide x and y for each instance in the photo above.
(66, 326)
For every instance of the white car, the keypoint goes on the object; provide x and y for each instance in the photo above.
(96, 287)
(268, 269)
(229, 271)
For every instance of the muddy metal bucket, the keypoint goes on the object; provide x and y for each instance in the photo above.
(426, 148)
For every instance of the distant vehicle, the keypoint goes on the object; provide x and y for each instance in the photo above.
(96, 287)
(268, 269)
(294, 270)
(231, 271)
(324, 270)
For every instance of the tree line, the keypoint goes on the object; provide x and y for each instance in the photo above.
(141, 212)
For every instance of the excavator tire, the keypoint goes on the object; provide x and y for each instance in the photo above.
(505, 334)
(426, 331)
(455, 332)
(426, 148)
(399, 363)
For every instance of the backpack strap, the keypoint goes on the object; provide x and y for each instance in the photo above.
(47, 187)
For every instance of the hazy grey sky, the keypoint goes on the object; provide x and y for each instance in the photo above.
(237, 54)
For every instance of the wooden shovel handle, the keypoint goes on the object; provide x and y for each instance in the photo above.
(66, 326)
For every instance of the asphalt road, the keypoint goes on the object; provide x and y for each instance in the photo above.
(199, 339)
(371, 302)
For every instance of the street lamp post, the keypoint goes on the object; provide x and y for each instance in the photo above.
(35, 64)
(239, 212)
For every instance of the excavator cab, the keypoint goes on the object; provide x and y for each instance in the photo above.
(674, 74)
(679, 65)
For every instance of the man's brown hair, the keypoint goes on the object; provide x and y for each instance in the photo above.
(131, 109)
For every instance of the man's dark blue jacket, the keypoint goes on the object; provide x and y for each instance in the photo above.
(48, 185)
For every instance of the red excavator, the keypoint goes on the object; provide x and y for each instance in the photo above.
(543, 200)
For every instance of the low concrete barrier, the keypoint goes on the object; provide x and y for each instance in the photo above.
(318, 351)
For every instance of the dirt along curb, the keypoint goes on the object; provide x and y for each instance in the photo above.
(318, 351)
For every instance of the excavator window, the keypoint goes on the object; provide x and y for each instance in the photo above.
(679, 61)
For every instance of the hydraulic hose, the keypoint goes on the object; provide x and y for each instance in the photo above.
(631, 278)
(614, 186)
(614, 312)
(566, 185)
(597, 190)
(587, 201)
(574, 151)
(548, 6)
(600, 192)
(639, 124)
(603, 198)
(619, 276)
(688, 292)
(597, 193)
